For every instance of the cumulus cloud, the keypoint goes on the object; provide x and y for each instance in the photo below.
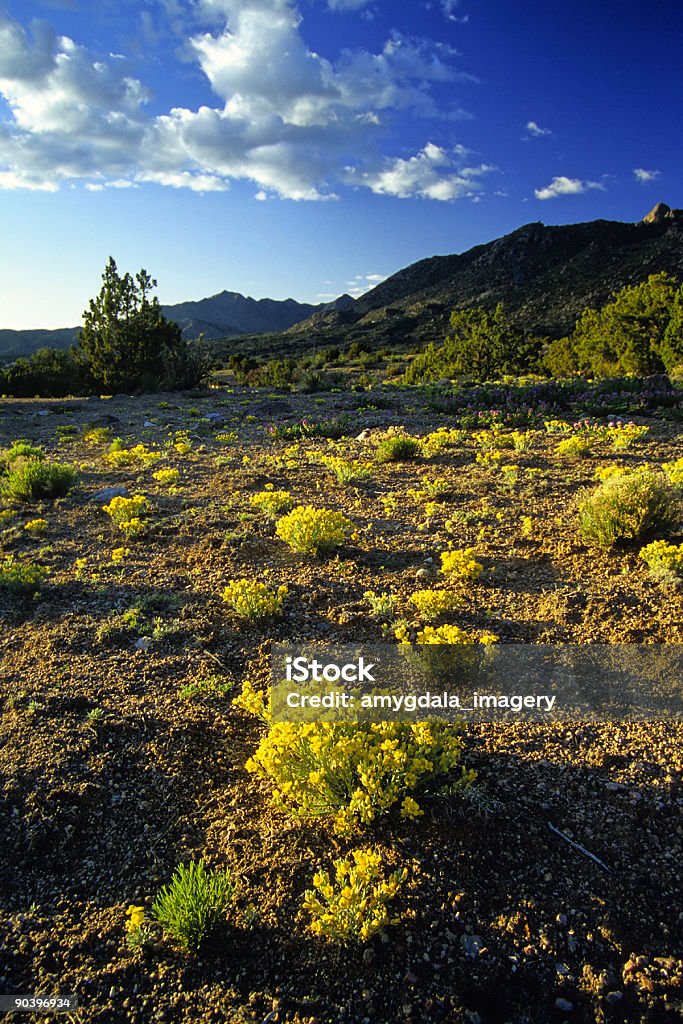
(286, 118)
(563, 186)
(433, 173)
(643, 176)
(535, 131)
(362, 283)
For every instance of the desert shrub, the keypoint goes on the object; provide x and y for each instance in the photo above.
(253, 600)
(574, 447)
(194, 902)
(33, 480)
(126, 513)
(20, 450)
(461, 565)
(347, 471)
(441, 440)
(431, 604)
(398, 448)
(166, 477)
(352, 905)
(622, 436)
(36, 526)
(349, 773)
(119, 456)
(20, 577)
(312, 531)
(664, 560)
(382, 605)
(627, 508)
(272, 503)
(674, 473)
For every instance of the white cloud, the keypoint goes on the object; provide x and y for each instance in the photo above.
(535, 131)
(347, 5)
(448, 8)
(433, 173)
(643, 176)
(563, 186)
(291, 121)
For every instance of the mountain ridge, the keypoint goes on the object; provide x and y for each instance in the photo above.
(544, 274)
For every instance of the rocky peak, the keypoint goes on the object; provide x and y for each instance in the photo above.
(661, 213)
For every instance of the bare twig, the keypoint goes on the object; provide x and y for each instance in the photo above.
(581, 849)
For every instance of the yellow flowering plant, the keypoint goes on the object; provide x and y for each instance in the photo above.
(664, 560)
(166, 477)
(351, 904)
(350, 774)
(574, 447)
(271, 503)
(251, 599)
(126, 513)
(431, 604)
(460, 564)
(119, 456)
(312, 531)
(674, 473)
(36, 526)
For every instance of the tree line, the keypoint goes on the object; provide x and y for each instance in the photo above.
(640, 332)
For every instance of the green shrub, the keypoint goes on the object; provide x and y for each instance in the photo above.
(627, 508)
(20, 577)
(32, 480)
(399, 448)
(194, 902)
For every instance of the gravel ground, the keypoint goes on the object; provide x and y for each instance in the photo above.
(112, 772)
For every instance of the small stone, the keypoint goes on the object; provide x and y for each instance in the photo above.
(614, 997)
(422, 573)
(472, 945)
(561, 919)
(107, 493)
(564, 1004)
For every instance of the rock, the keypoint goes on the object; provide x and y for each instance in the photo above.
(661, 213)
(148, 423)
(422, 573)
(564, 1004)
(215, 417)
(364, 435)
(107, 493)
(472, 945)
(614, 997)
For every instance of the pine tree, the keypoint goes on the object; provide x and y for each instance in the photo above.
(126, 339)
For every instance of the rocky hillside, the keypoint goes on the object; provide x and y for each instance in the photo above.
(544, 275)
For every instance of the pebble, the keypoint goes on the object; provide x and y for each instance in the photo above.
(472, 945)
(107, 493)
(564, 1004)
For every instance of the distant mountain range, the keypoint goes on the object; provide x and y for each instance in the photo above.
(225, 315)
(545, 276)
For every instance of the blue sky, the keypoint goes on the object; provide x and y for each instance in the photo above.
(306, 148)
